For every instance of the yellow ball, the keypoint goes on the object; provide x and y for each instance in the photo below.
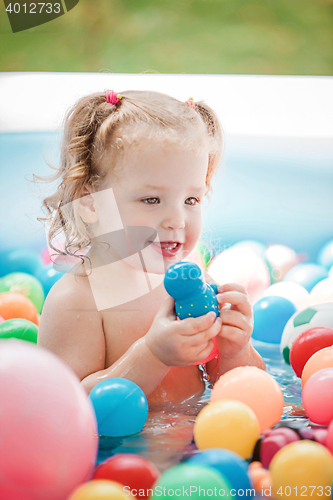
(99, 489)
(227, 424)
(303, 469)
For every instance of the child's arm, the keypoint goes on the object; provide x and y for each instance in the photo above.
(233, 340)
(77, 336)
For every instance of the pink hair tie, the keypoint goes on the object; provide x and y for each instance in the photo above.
(190, 102)
(113, 97)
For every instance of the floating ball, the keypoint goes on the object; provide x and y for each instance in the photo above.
(322, 292)
(16, 305)
(192, 480)
(291, 291)
(241, 265)
(99, 490)
(306, 344)
(256, 246)
(302, 467)
(329, 438)
(26, 284)
(317, 397)
(121, 407)
(205, 252)
(48, 277)
(274, 441)
(19, 328)
(46, 257)
(227, 424)
(319, 360)
(280, 259)
(20, 260)
(133, 471)
(232, 467)
(307, 275)
(254, 387)
(271, 315)
(318, 315)
(325, 256)
(48, 430)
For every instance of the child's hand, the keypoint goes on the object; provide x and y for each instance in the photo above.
(237, 320)
(181, 343)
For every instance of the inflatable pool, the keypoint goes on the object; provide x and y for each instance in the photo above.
(274, 186)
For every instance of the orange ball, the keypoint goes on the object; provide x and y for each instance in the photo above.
(17, 305)
(256, 389)
(99, 489)
(319, 360)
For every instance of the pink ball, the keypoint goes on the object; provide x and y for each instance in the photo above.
(317, 397)
(48, 429)
(46, 256)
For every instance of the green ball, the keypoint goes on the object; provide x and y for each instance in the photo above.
(19, 328)
(26, 284)
(205, 253)
(188, 479)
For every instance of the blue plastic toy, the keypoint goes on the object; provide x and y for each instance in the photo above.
(184, 281)
(271, 315)
(307, 275)
(232, 467)
(121, 407)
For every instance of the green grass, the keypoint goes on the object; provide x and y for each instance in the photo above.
(292, 37)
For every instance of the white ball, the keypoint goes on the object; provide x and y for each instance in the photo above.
(294, 292)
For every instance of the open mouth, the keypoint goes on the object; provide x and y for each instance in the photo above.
(167, 248)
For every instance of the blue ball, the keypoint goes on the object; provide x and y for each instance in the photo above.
(19, 260)
(325, 257)
(232, 467)
(121, 407)
(48, 276)
(307, 275)
(271, 315)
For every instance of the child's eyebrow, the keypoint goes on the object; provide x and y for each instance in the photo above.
(163, 188)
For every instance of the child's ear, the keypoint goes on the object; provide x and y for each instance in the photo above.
(87, 207)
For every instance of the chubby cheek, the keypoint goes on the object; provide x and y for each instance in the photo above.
(192, 234)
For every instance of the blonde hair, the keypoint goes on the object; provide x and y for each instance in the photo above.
(93, 127)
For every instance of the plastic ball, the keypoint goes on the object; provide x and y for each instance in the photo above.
(99, 490)
(307, 275)
(254, 387)
(291, 291)
(121, 407)
(205, 252)
(280, 259)
(19, 328)
(329, 438)
(16, 305)
(302, 467)
(322, 292)
(133, 471)
(1, 319)
(232, 467)
(256, 246)
(306, 344)
(26, 284)
(20, 260)
(271, 315)
(48, 277)
(317, 397)
(319, 360)
(241, 265)
(325, 256)
(318, 315)
(48, 430)
(227, 424)
(192, 480)
(46, 257)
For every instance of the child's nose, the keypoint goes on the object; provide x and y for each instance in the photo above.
(174, 220)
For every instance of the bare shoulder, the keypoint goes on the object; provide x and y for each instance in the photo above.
(72, 327)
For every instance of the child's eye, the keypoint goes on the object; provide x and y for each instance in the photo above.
(148, 202)
(196, 200)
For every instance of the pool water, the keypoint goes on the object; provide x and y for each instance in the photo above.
(167, 437)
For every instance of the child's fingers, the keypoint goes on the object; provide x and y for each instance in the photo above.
(236, 319)
(238, 299)
(205, 352)
(208, 334)
(231, 287)
(192, 326)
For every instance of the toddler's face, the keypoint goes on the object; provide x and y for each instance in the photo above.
(163, 189)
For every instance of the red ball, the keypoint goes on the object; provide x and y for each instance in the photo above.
(306, 344)
(133, 471)
(276, 439)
